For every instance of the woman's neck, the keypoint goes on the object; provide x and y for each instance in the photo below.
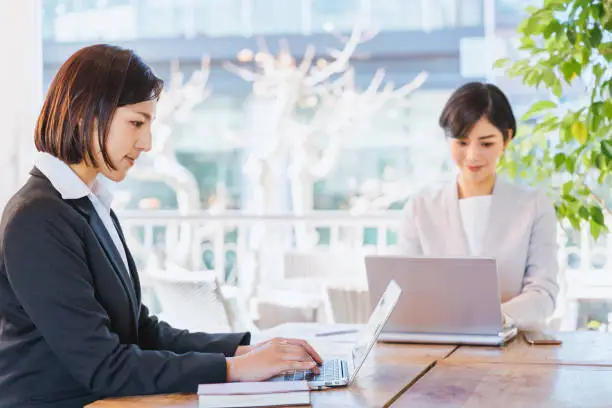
(467, 189)
(85, 173)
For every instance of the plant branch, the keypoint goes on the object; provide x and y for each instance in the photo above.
(595, 198)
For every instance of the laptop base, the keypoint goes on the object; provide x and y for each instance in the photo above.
(438, 338)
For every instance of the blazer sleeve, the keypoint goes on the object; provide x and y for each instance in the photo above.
(409, 241)
(154, 334)
(536, 302)
(47, 267)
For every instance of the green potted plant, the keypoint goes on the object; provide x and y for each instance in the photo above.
(568, 147)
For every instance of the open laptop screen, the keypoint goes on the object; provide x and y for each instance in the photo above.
(368, 335)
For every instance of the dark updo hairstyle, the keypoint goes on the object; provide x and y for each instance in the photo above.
(86, 91)
(473, 101)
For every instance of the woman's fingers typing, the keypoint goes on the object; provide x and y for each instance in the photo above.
(272, 358)
(309, 349)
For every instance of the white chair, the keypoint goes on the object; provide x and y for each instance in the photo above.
(288, 300)
(194, 300)
(341, 278)
(340, 267)
(349, 305)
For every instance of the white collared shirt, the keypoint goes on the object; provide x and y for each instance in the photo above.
(71, 187)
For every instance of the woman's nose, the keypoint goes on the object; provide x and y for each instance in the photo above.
(472, 153)
(144, 142)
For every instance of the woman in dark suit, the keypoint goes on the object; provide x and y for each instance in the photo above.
(72, 326)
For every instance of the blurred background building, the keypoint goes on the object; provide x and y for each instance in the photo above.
(445, 38)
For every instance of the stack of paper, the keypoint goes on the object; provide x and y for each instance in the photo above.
(253, 394)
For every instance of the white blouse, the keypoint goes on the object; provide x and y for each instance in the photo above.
(475, 218)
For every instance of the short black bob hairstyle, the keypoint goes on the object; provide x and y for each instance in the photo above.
(473, 101)
(86, 91)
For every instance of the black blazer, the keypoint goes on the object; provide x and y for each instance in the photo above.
(72, 328)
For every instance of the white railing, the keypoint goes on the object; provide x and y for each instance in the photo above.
(248, 250)
(200, 240)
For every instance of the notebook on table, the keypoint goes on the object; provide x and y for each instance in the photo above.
(253, 394)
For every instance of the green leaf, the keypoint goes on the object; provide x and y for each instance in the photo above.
(512, 168)
(571, 35)
(595, 36)
(538, 107)
(501, 63)
(606, 148)
(597, 215)
(596, 115)
(597, 11)
(584, 192)
(574, 221)
(585, 55)
(607, 108)
(583, 212)
(554, 27)
(595, 230)
(568, 187)
(559, 162)
(557, 89)
(571, 69)
(569, 198)
(579, 131)
(570, 164)
(601, 162)
(603, 176)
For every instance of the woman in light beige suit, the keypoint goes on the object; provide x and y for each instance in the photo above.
(482, 215)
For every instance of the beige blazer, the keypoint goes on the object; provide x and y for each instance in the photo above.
(521, 235)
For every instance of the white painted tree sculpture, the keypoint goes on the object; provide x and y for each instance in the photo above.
(175, 104)
(308, 148)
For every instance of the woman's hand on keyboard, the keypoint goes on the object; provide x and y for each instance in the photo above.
(272, 358)
(298, 342)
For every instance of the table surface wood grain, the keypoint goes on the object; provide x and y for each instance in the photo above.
(578, 348)
(387, 372)
(479, 385)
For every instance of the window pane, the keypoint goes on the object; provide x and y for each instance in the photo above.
(277, 16)
(219, 17)
(397, 14)
(337, 15)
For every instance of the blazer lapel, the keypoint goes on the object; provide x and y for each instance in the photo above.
(85, 206)
(130, 259)
(455, 241)
(498, 218)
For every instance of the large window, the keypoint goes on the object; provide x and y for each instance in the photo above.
(88, 20)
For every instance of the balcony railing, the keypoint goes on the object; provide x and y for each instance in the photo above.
(248, 251)
(224, 242)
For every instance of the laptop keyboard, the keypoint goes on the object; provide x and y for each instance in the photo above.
(331, 370)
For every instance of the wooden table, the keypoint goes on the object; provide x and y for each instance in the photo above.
(578, 348)
(387, 372)
(459, 385)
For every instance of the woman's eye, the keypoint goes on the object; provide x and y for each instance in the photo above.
(137, 123)
(462, 143)
(487, 144)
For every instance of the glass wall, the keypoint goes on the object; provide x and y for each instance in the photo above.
(85, 20)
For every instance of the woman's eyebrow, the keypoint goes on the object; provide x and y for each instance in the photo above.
(146, 115)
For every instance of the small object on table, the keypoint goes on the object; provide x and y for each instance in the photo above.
(253, 394)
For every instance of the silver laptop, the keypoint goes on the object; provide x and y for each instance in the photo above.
(339, 372)
(445, 300)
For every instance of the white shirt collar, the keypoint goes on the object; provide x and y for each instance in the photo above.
(68, 184)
